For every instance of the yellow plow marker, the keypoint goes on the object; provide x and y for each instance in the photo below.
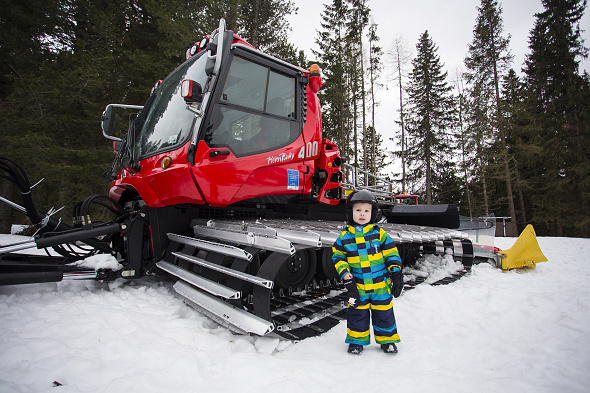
(524, 253)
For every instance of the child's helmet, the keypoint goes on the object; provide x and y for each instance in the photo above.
(362, 196)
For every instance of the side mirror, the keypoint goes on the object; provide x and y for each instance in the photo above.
(212, 55)
(217, 48)
(108, 121)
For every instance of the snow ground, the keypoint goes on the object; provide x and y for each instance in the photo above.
(519, 331)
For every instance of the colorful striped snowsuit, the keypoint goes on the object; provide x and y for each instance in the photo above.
(368, 252)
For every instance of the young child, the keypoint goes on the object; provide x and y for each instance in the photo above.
(366, 257)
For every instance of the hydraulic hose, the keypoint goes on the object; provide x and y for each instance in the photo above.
(51, 228)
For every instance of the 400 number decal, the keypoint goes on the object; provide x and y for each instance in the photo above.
(309, 150)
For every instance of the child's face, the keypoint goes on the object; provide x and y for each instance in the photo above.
(361, 213)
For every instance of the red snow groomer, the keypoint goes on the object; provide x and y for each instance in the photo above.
(225, 183)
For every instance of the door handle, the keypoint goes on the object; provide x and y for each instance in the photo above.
(222, 152)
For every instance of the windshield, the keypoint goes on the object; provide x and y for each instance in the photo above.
(169, 122)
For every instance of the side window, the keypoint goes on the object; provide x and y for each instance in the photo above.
(281, 95)
(255, 112)
(246, 84)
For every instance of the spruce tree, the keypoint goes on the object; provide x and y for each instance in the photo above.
(488, 59)
(466, 155)
(556, 100)
(357, 21)
(380, 160)
(264, 25)
(335, 96)
(62, 62)
(512, 108)
(375, 68)
(430, 117)
(83, 56)
(401, 57)
(478, 139)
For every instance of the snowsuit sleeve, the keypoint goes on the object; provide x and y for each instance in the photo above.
(393, 262)
(339, 258)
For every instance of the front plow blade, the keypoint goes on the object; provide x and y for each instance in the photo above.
(524, 253)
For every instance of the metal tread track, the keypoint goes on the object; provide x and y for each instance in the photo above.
(311, 233)
(297, 316)
(290, 329)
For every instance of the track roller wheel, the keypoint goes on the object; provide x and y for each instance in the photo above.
(297, 271)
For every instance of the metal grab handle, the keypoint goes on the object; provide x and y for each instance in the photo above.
(215, 153)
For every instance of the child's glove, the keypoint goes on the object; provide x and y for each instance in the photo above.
(397, 283)
(352, 291)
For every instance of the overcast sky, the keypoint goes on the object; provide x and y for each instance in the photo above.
(449, 23)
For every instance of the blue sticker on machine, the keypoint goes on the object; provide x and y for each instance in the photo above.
(293, 181)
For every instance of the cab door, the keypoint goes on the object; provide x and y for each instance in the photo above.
(250, 142)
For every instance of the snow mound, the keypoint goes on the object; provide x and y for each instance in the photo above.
(99, 261)
(16, 229)
(433, 268)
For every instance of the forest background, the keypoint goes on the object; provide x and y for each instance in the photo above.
(487, 139)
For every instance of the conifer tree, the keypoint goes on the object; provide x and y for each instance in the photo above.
(81, 56)
(356, 22)
(465, 163)
(478, 139)
(401, 57)
(488, 59)
(375, 68)
(264, 24)
(380, 160)
(332, 58)
(556, 98)
(430, 117)
(62, 62)
(512, 108)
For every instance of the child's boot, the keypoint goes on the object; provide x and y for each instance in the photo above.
(389, 348)
(355, 349)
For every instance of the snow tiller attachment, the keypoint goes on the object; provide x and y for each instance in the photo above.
(524, 253)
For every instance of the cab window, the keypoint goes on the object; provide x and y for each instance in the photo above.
(255, 112)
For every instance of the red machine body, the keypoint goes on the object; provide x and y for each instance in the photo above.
(226, 171)
(407, 199)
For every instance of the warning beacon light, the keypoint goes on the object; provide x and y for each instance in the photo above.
(315, 79)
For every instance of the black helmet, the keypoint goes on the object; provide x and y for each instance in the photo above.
(362, 196)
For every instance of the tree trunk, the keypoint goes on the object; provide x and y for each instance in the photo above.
(401, 111)
(466, 178)
(520, 194)
(255, 23)
(364, 104)
(500, 125)
(354, 117)
(428, 177)
(483, 178)
(505, 153)
(373, 132)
